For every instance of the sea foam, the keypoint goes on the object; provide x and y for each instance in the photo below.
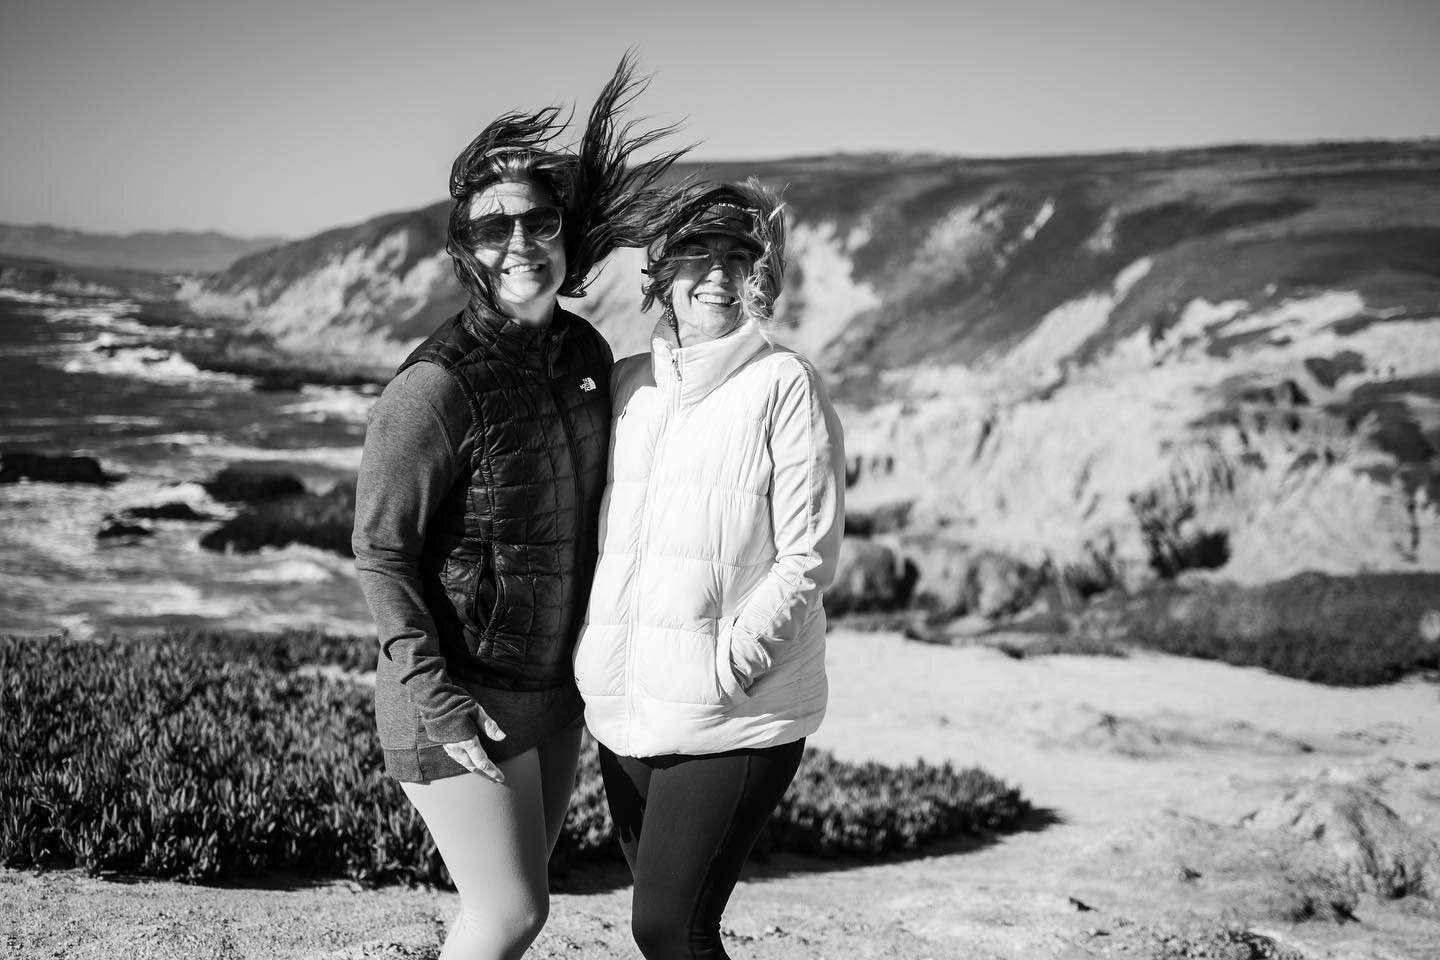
(104, 355)
(327, 403)
(345, 459)
(29, 296)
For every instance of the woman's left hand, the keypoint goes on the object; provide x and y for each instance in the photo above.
(471, 754)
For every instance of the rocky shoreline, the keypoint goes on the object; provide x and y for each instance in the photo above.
(1347, 630)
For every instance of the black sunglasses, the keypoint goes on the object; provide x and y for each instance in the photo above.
(737, 260)
(538, 224)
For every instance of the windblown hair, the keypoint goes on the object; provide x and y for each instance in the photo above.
(689, 202)
(606, 202)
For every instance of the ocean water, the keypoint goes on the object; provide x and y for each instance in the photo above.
(84, 377)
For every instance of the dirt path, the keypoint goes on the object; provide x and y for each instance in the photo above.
(1146, 765)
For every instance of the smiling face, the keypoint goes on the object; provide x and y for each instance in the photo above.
(527, 271)
(705, 295)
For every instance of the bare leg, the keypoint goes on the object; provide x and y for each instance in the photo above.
(495, 841)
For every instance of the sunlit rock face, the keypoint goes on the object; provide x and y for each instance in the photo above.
(367, 292)
(1212, 363)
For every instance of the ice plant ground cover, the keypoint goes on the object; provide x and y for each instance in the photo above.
(199, 758)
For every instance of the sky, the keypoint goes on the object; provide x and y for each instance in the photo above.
(287, 117)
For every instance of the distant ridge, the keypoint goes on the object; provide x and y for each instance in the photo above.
(174, 251)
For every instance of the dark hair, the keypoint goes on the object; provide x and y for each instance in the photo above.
(689, 203)
(606, 202)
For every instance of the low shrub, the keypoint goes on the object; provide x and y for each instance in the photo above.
(283, 651)
(202, 756)
(836, 808)
(1343, 631)
(164, 760)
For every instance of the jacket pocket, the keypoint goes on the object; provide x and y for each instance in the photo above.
(680, 665)
(471, 590)
(485, 597)
(599, 661)
(731, 690)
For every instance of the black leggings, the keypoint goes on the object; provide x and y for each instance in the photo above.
(686, 824)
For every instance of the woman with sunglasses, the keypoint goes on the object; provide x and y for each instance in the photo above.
(702, 658)
(475, 522)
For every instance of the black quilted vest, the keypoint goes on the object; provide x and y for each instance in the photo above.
(509, 554)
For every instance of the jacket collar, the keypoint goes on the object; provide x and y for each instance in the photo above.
(699, 369)
(518, 343)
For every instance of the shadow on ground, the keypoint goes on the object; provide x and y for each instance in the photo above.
(603, 876)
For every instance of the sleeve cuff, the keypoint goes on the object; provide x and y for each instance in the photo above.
(453, 727)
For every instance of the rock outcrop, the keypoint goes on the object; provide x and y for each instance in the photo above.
(248, 484)
(16, 465)
(870, 578)
(1376, 851)
(955, 579)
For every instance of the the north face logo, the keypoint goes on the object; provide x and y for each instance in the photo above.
(587, 385)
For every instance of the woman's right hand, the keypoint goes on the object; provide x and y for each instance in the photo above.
(471, 755)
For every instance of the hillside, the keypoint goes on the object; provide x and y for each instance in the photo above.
(1105, 369)
(382, 284)
(175, 251)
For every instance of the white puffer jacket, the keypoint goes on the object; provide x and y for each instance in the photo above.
(720, 527)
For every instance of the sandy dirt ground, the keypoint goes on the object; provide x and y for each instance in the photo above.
(1164, 834)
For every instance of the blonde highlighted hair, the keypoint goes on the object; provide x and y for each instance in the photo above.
(689, 204)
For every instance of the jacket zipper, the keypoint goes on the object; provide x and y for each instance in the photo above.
(672, 404)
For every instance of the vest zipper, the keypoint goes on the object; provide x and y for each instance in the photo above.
(569, 429)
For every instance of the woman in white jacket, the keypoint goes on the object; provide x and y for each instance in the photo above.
(702, 658)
